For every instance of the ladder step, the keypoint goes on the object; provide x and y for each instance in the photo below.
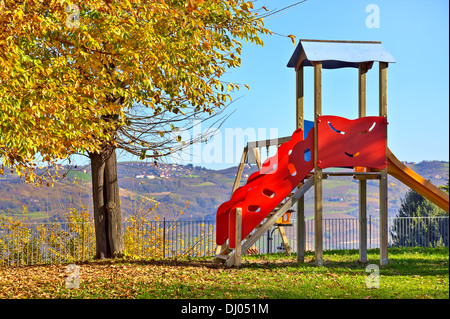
(225, 251)
(224, 257)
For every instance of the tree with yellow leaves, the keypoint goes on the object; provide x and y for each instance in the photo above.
(88, 76)
(96, 76)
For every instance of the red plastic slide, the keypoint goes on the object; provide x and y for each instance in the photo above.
(265, 189)
(341, 143)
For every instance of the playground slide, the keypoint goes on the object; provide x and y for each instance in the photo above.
(414, 181)
(342, 143)
(265, 189)
(357, 143)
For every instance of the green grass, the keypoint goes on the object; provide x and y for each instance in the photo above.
(191, 176)
(204, 184)
(80, 176)
(226, 179)
(416, 273)
(353, 192)
(26, 217)
(330, 183)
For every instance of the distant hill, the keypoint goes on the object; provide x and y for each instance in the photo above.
(171, 186)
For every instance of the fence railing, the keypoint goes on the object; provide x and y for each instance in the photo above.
(343, 233)
(171, 239)
(27, 244)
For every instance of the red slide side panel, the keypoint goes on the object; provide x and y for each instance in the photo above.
(224, 209)
(268, 168)
(349, 143)
(291, 169)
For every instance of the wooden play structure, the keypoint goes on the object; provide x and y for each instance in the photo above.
(360, 145)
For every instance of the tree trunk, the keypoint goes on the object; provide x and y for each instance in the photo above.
(107, 214)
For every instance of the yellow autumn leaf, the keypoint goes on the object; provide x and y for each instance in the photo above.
(292, 38)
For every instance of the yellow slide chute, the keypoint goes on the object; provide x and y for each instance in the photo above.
(416, 182)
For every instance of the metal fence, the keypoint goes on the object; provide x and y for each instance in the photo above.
(343, 233)
(27, 244)
(38, 243)
(170, 239)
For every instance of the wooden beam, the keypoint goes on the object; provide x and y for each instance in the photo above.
(383, 88)
(354, 174)
(367, 176)
(270, 142)
(300, 123)
(383, 218)
(383, 179)
(238, 247)
(363, 221)
(257, 158)
(318, 200)
(362, 112)
(237, 181)
(284, 239)
(362, 95)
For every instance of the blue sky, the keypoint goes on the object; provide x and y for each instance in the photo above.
(415, 32)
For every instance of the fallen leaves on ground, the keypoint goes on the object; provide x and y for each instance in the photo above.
(104, 279)
(259, 277)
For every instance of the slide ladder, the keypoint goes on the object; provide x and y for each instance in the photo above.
(226, 254)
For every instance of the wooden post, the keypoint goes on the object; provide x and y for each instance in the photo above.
(300, 95)
(237, 181)
(300, 123)
(318, 238)
(238, 248)
(284, 239)
(383, 179)
(257, 158)
(362, 183)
